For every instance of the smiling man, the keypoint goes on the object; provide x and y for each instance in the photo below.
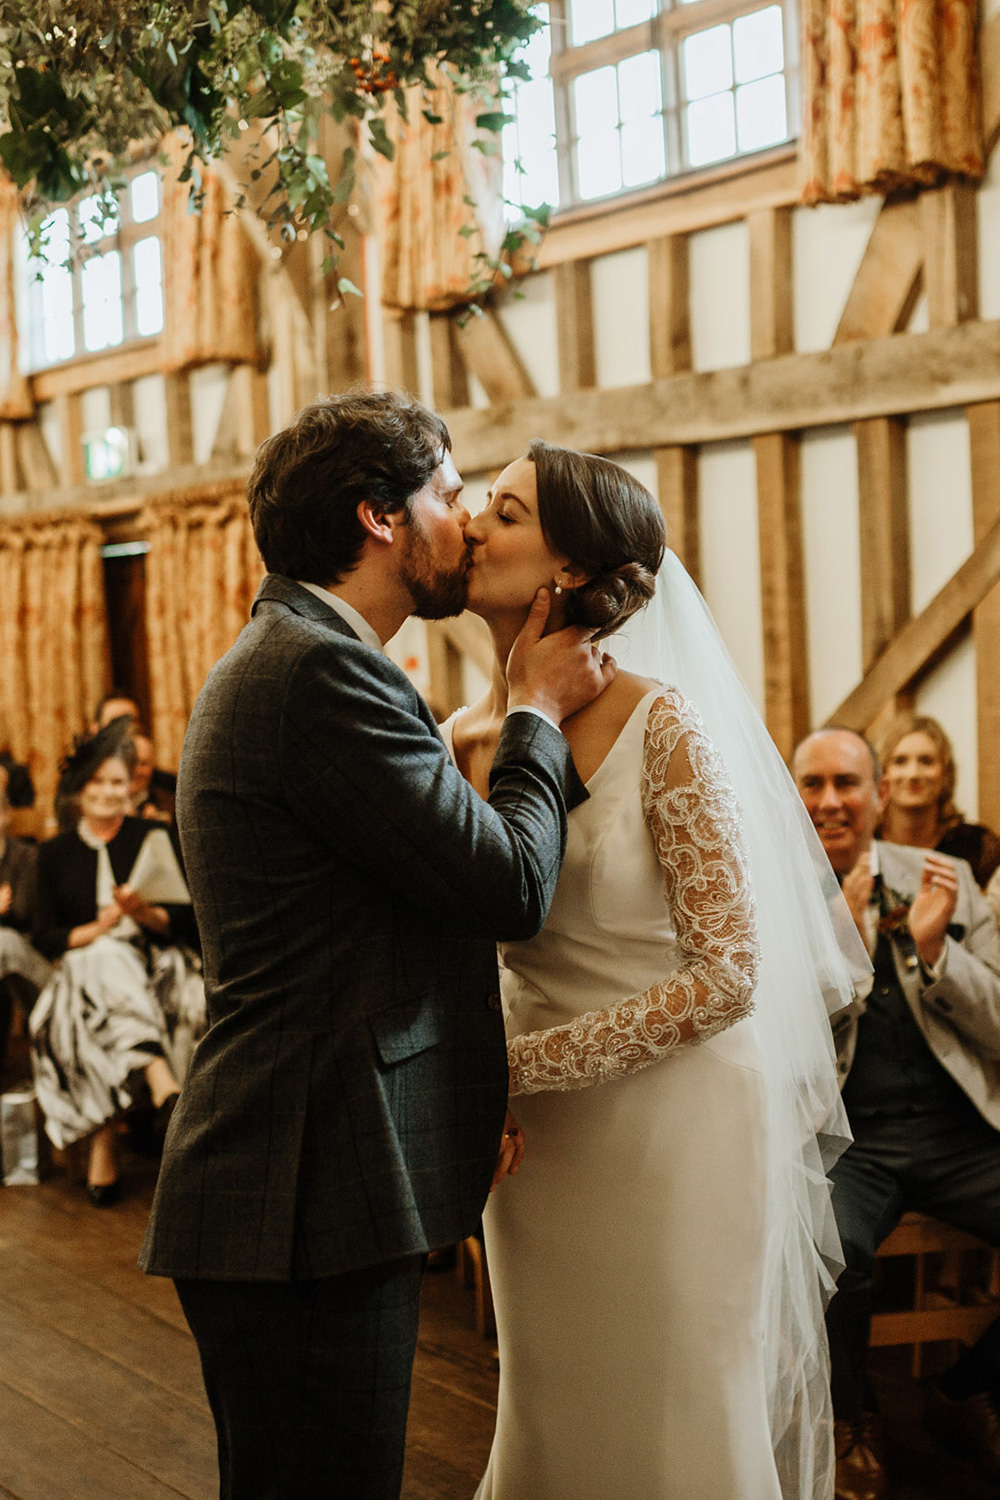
(918, 1067)
(343, 1114)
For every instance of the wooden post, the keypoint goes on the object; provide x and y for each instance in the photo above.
(771, 330)
(889, 277)
(984, 438)
(951, 273)
(669, 305)
(575, 320)
(9, 472)
(885, 533)
(451, 385)
(677, 485)
(180, 444)
(69, 411)
(400, 332)
(445, 670)
(492, 358)
(779, 520)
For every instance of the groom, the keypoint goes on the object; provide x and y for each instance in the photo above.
(343, 1115)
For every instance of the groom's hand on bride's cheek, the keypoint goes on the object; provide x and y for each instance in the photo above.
(511, 1152)
(559, 673)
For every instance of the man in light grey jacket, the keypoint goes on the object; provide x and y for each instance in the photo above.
(918, 1062)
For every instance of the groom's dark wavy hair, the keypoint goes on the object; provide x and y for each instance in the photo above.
(309, 479)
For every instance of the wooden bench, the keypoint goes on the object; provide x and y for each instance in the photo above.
(945, 1306)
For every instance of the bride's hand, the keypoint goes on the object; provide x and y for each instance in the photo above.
(511, 1152)
(559, 673)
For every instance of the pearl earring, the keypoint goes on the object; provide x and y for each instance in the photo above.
(557, 589)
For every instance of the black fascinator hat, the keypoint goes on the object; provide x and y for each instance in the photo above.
(88, 755)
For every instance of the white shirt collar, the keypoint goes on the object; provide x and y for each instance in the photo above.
(346, 611)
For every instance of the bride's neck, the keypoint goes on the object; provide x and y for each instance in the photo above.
(504, 632)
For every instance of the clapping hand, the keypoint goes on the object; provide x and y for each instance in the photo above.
(933, 907)
(511, 1152)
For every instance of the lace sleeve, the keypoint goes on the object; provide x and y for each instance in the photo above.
(697, 830)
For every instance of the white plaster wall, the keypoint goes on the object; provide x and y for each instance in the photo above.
(720, 297)
(151, 423)
(208, 395)
(95, 410)
(940, 500)
(620, 293)
(830, 544)
(828, 243)
(641, 466)
(51, 427)
(730, 555)
(531, 325)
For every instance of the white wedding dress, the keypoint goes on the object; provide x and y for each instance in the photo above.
(626, 1254)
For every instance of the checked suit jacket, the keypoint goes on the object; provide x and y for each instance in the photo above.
(346, 1104)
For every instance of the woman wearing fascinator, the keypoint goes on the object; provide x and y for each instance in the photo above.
(661, 1257)
(112, 910)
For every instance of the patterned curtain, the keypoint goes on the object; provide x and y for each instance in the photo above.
(15, 398)
(53, 639)
(202, 571)
(891, 95)
(210, 273)
(427, 264)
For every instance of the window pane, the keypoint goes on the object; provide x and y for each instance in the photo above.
(757, 44)
(57, 291)
(145, 196)
(94, 225)
(537, 51)
(639, 86)
(631, 12)
(595, 101)
(598, 164)
(528, 144)
(711, 133)
(148, 287)
(760, 113)
(590, 18)
(707, 62)
(643, 152)
(101, 282)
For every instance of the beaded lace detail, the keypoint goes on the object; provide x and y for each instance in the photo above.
(698, 834)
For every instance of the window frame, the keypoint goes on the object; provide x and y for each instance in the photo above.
(123, 239)
(664, 33)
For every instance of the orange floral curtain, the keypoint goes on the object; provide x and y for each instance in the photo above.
(15, 398)
(202, 571)
(210, 272)
(422, 203)
(53, 639)
(891, 95)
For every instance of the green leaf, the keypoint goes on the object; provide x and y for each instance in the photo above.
(432, 118)
(440, 155)
(348, 289)
(467, 231)
(494, 120)
(380, 138)
(488, 148)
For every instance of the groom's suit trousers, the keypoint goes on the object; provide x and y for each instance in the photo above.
(309, 1381)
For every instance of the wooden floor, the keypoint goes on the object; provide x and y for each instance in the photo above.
(100, 1389)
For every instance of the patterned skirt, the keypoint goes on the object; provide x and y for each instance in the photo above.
(107, 1012)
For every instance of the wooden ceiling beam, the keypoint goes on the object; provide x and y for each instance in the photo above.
(889, 277)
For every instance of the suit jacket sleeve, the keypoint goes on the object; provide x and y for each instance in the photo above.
(968, 993)
(371, 776)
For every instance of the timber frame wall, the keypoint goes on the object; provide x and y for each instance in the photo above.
(873, 377)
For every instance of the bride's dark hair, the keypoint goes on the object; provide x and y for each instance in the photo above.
(607, 524)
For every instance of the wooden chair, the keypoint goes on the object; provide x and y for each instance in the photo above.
(945, 1306)
(474, 1271)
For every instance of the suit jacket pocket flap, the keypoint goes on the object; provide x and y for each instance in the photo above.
(405, 1029)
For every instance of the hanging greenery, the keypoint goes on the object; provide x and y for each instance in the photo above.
(81, 81)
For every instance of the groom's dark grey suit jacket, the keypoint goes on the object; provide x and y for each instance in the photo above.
(346, 1104)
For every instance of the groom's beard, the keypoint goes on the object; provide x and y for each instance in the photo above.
(437, 593)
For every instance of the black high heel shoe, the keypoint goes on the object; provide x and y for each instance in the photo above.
(103, 1194)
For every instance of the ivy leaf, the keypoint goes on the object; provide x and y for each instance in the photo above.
(432, 118)
(348, 289)
(440, 155)
(380, 138)
(488, 148)
(494, 120)
(467, 231)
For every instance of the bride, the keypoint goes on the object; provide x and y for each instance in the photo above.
(660, 1261)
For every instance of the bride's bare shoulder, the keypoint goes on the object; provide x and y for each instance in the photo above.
(630, 689)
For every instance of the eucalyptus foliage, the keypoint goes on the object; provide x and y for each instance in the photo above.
(83, 80)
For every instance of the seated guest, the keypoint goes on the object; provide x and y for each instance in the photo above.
(117, 704)
(23, 971)
(20, 788)
(919, 765)
(146, 799)
(156, 789)
(121, 982)
(918, 1066)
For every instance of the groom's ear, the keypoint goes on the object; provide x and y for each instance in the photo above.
(378, 524)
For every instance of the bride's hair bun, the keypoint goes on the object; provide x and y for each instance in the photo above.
(599, 516)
